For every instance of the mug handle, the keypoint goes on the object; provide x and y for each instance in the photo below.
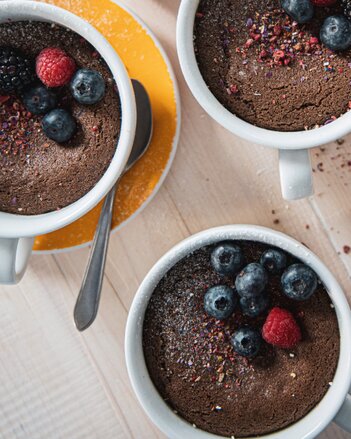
(295, 173)
(343, 418)
(14, 256)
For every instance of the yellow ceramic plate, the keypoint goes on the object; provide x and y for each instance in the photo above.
(146, 61)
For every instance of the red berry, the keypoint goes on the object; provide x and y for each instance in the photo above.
(54, 67)
(323, 3)
(281, 329)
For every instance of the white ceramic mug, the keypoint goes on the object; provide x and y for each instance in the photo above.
(335, 405)
(294, 158)
(17, 232)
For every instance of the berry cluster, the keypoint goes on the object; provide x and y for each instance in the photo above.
(16, 71)
(35, 81)
(298, 282)
(335, 32)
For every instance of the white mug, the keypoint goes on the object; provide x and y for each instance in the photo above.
(335, 405)
(17, 232)
(294, 158)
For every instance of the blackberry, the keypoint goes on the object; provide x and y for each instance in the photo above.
(16, 71)
(346, 5)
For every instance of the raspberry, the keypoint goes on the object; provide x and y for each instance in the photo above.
(54, 67)
(281, 329)
(323, 3)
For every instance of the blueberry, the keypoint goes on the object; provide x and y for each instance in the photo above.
(39, 100)
(299, 10)
(220, 301)
(273, 260)
(336, 32)
(227, 258)
(246, 342)
(59, 125)
(255, 305)
(299, 282)
(88, 86)
(251, 281)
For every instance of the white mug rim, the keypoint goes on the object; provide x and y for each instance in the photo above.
(158, 411)
(12, 225)
(276, 139)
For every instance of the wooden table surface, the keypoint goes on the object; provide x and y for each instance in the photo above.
(57, 383)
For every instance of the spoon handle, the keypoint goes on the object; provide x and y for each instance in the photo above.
(89, 295)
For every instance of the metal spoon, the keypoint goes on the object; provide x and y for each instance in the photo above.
(87, 304)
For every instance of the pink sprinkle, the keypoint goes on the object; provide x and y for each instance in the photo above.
(314, 40)
(248, 43)
(278, 54)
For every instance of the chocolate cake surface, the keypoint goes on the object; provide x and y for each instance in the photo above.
(196, 371)
(38, 175)
(267, 69)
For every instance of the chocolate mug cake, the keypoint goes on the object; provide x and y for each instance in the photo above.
(240, 339)
(60, 117)
(280, 66)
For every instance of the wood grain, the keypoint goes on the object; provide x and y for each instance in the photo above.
(60, 384)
